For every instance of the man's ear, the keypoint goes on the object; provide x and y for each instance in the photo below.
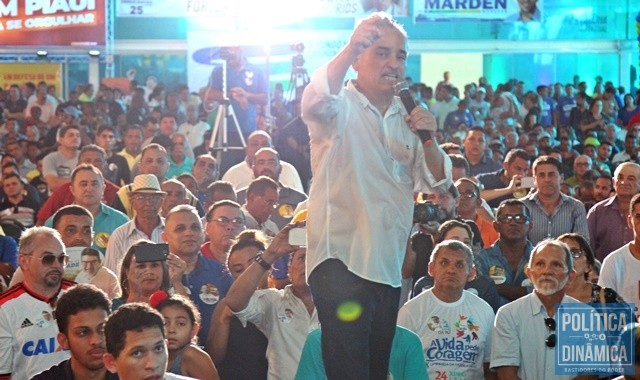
(109, 363)
(62, 339)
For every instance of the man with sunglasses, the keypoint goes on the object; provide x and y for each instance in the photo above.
(27, 330)
(524, 340)
(505, 261)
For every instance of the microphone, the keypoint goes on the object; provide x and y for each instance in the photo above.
(409, 104)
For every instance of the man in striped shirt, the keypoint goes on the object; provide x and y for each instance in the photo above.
(553, 213)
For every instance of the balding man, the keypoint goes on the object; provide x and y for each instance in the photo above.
(607, 220)
(27, 328)
(241, 174)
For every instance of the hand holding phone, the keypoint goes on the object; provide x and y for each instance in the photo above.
(151, 252)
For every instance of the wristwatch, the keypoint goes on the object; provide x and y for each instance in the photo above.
(260, 260)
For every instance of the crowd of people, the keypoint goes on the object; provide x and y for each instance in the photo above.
(532, 198)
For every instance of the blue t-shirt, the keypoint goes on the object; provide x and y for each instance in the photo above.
(251, 79)
(208, 283)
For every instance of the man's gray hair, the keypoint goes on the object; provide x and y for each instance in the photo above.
(453, 245)
(30, 235)
(568, 259)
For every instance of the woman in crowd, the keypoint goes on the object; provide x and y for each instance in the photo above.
(583, 263)
(630, 108)
(237, 351)
(139, 281)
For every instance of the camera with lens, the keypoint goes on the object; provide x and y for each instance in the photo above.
(424, 212)
(297, 47)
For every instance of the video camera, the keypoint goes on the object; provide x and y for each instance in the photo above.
(426, 211)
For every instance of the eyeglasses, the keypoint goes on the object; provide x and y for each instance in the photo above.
(146, 198)
(551, 326)
(225, 221)
(576, 253)
(49, 258)
(508, 218)
(272, 204)
(468, 194)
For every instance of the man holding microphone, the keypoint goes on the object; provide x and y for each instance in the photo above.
(367, 161)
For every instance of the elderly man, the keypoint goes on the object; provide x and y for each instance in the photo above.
(434, 314)
(224, 221)
(523, 341)
(552, 213)
(505, 261)
(581, 165)
(207, 280)
(607, 220)
(27, 328)
(241, 174)
(153, 160)
(146, 199)
(365, 131)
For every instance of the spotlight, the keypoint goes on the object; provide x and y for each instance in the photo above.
(42, 53)
(94, 53)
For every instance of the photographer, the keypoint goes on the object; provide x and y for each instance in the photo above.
(437, 221)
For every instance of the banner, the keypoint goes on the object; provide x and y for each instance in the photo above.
(52, 22)
(503, 10)
(235, 11)
(19, 73)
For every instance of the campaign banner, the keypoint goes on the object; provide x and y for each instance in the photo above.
(595, 339)
(52, 22)
(19, 73)
(496, 10)
(238, 10)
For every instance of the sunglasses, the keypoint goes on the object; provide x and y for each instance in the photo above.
(551, 326)
(508, 218)
(49, 258)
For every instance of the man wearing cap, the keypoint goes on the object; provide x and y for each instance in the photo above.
(153, 160)
(581, 165)
(478, 106)
(57, 166)
(602, 161)
(146, 198)
(606, 220)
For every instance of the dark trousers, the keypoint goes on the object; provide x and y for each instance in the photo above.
(354, 346)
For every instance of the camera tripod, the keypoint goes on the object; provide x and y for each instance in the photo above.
(220, 134)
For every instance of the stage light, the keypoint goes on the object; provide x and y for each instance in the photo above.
(42, 53)
(94, 53)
